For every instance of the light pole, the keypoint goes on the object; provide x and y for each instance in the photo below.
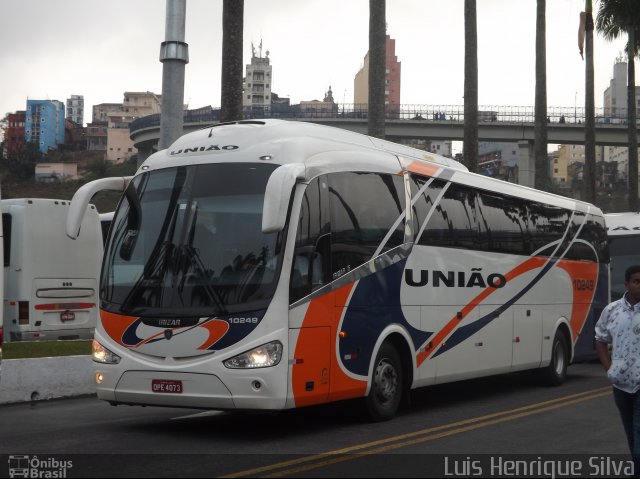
(575, 108)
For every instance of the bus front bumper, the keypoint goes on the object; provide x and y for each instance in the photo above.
(191, 390)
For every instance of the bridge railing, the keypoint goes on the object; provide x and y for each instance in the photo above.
(415, 112)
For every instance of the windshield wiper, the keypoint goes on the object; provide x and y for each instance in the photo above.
(188, 257)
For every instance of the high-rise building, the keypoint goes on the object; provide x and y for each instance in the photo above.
(256, 98)
(391, 80)
(615, 110)
(75, 109)
(44, 123)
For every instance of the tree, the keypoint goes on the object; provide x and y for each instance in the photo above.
(616, 18)
(540, 124)
(20, 164)
(589, 174)
(470, 143)
(232, 37)
(377, 68)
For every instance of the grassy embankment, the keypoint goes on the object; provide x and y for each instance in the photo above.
(88, 166)
(44, 349)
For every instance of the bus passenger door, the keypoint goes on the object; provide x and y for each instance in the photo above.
(310, 366)
(527, 337)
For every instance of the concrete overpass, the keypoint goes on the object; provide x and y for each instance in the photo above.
(498, 127)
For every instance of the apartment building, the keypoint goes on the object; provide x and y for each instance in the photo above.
(392, 80)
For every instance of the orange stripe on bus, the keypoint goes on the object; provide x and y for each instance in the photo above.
(423, 168)
(217, 329)
(115, 325)
(584, 280)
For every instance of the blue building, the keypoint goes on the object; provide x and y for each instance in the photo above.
(45, 123)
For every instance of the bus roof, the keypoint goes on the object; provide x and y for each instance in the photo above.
(623, 224)
(280, 142)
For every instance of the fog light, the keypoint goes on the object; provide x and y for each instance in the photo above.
(99, 378)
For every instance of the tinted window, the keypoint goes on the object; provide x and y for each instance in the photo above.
(454, 222)
(309, 262)
(547, 224)
(595, 232)
(424, 193)
(503, 224)
(366, 216)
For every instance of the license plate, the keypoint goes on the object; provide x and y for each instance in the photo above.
(166, 386)
(67, 316)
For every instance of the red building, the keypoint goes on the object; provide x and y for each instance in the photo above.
(14, 136)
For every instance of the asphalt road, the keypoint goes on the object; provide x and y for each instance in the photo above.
(471, 428)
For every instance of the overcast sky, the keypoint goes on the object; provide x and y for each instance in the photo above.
(52, 49)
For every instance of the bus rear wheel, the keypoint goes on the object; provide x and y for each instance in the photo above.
(556, 372)
(385, 394)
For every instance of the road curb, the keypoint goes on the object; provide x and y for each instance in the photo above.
(45, 378)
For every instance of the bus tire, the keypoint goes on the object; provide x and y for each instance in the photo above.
(385, 394)
(556, 372)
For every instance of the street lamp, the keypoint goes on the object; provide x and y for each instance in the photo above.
(575, 108)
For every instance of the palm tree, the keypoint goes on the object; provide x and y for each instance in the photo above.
(470, 143)
(615, 18)
(377, 68)
(232, 36)
(541, 181)
(589, 176)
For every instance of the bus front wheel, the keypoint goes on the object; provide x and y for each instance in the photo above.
(385, 393)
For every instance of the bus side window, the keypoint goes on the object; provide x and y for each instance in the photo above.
(548, 224)
(504, 222)
(309, 270)
(423, 197)
(454, 223)
(365, 207)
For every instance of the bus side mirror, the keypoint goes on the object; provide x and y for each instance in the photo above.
(83, 196)
(277, 196)
(133, 223)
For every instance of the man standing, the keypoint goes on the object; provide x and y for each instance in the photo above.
(619, 326)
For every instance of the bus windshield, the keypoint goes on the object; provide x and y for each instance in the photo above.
(624, 253)
(188, 241)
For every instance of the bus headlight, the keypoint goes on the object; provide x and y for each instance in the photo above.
(263, 356)
(103, 355)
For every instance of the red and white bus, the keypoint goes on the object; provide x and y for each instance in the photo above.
(268, 265)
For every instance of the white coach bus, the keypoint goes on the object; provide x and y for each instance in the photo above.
(50, 281)
(623, 230)
(271, 265)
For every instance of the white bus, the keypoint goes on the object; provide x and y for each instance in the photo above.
(51, 281)
(623, 230)
(271, 265)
